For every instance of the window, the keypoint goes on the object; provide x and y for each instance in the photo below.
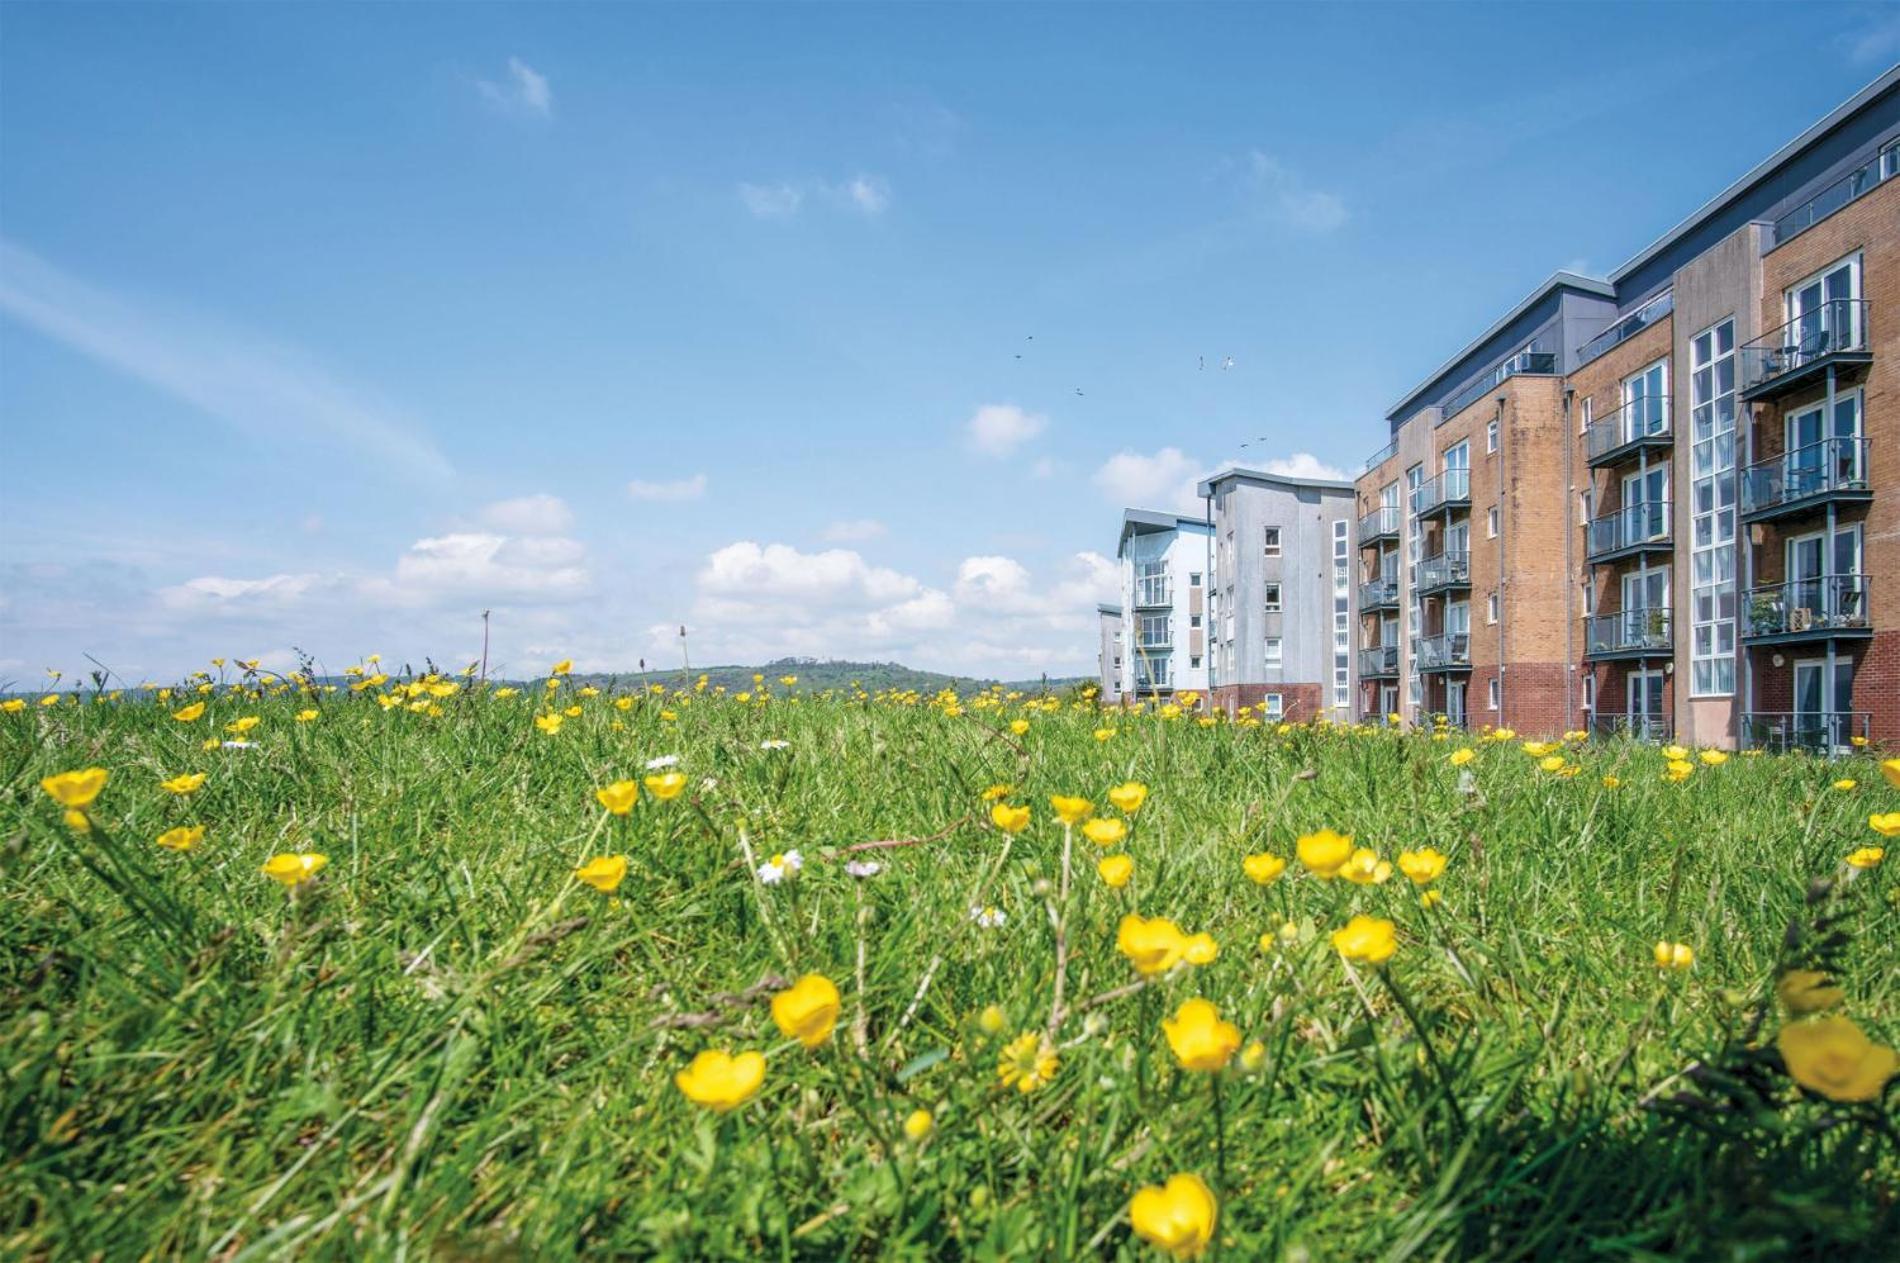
(1585, 500)
(1274, 705)
(1194, 578)
(1491, 692)
(1195, 662)
(1491, 608)
(1491, 522)
(1589, 597)
(1194, 621)
(1154, 631)
(1491, 435)
(1589, 692)
(1273, 541)
(1584, 411)
(1151, 582)
(1712, 413)
(1342, 614)
(1273, 661)
(1273, 597)
(1890, 161)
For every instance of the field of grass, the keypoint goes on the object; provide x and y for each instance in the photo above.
(445, 1045)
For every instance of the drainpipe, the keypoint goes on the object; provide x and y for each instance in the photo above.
(1827, 567)
(1570, 565)
(1744, 536)
(1504, 622)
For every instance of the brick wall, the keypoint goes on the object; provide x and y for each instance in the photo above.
(1298, 702)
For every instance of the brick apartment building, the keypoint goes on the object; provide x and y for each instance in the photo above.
(1667, 501)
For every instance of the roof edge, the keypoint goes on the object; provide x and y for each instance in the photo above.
(1205, 487)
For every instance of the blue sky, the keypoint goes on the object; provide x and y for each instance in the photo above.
(843, 331)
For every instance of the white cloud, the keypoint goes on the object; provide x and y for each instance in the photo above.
(853, 531)
(1045, 467)
(266, 391)
(485, 566)
(539, 514)
(680, 489)
(771, 201)
(1165, 480)
(216, 593)
(525, 91)
(1305, 465)
(869, 193)
(1291, 200)
(745, 570)
(998, 429)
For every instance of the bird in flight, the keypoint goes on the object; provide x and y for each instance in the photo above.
(1227, 363)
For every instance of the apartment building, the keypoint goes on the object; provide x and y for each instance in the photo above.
(1108, 655)
(1164, 604)
(1659, 502)
(1280, 594)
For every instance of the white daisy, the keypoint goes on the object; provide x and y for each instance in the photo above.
(239, 745)
(864, 868)
(664, 761)
(989, 918)
(779, 867)
(775, 743)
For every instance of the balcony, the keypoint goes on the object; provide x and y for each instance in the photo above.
(1816, 731)
(1641, 425)
(1162, 644)
(1152, 596)
(1380, 457)
(1543, 362)
(1628, 327)
(1854, 184)
(1380, 594)
(1450, 652)
(1799, 353)
(1638, 727)
(1639, 528)
(1450, 490)
(1806, 478)
(1637, 633)
(1443, 573)
(1378, 661)
(1379, 525)
(1833, 607)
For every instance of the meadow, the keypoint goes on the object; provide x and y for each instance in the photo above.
(418, 967)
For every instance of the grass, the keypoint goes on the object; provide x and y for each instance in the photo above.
(444, 1046)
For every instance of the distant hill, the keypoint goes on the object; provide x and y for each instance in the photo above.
(816, 675)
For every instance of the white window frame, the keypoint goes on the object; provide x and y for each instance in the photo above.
(1273, 654)
(1274, 704)
(1491, 609)
(1491, 693)
(1270, 541)
(1491, 522)
(1491, 436)
(1714, 430)
(1270, 598)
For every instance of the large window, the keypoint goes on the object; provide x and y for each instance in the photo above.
(1154, 631)
(1342, 614)
(1274, 658)
(1151, 582)
(1414, 478)
(1712, 511)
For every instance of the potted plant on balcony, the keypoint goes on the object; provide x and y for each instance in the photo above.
(1764, 614)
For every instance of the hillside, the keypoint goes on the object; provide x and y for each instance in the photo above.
(816, 675)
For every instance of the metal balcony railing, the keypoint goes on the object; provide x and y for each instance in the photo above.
(1639, 726)
(1836, 195)
(1446, 570)
(1644, 631)
(1784, 483)
(1817, 731)
(1380, 523)
(1448, 490)
(1381, 456)
(1449, 652)
(1641, 423)
(1629, 529)
(1819, 607)
(1152, 594)
(1783, 358)
(1378, 594)
(1628, 327)
(1544, 362)
(1379, 660)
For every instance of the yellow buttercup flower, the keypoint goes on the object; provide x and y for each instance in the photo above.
(1461, 757)
(75, 790)
(1886, 824)
(1369, 940)
(1253, 1057)
(294, 868)
(1263, 869)
(243, 724)
(1846, 783)
(1890, 768)
(604, 873)
(1128, 797)
(1324, 853)
(667, 785)
(1538, 749)
(1552, 763)
(1199, 1038)
(182, 838)
(189, 713)
(1678, 770)
(1027, 1062)
(996, 793)
(1832, 1056)
(306, 716)
(562, 667)
(918, 1125)
(1104, 734)
(1673, 955)
(1713, 758)
(1364, 868)
(1804, 991)
(1199, 949)
(1071, 811)
(1178, 1217)
(549, 724)
(1675, 754)
(572, 712)
(1612, 782)
(13, 705)
(1009, 819)
(991, 1020)
(1019, 726)
(807, 1010)
(1867, 857)
(184, 783)
(1151, 946)
(618, 797)
(1115, 870)
(1423, 866)
(1104, 832)
(720, 1081)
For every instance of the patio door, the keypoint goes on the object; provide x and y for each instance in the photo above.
(1821, 703)
(1388, 699)
(1645, 402)
(1644, 700)
(1645, 600)
(1455, 702)
(1808, 559)
(1823, 455)
(1822, 315)
(1645, 495)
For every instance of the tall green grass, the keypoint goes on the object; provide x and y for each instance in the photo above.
(444, 1046)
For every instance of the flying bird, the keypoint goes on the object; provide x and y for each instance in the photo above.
(1227, 363)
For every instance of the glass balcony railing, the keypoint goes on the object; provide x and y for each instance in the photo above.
(1836, 195)
(1639, 726)
(1379, 660)
(1628, 631)
(1152, 594)
(1449, 490)
(1805, 475)
(1379, 524)
(1523, 362)
(1378, 594)
(1820, 607)
(1449, 652)
(1642, 422)
(1784, 358)
(1628, 327)
(1446, 570)
(1380, 457)
(1635, 528)
(1817, 731)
